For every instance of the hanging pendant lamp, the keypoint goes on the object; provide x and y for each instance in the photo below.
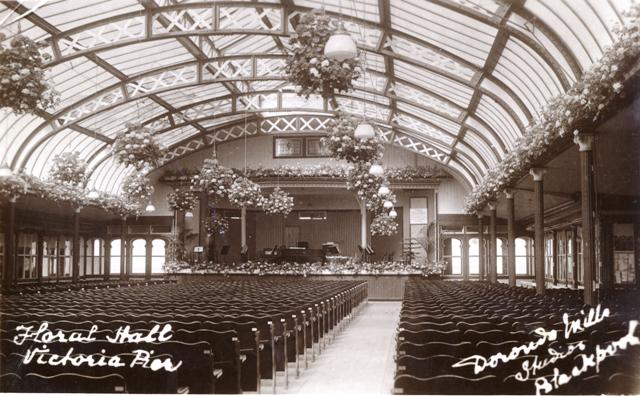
(384, 190)
(340, 45)
(150, 207)
(93, 194)
(376, 170)
(364, 130)
(388, 204)
(393, 214)
(5, 170)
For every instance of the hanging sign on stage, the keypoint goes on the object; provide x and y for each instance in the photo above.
(198, 249)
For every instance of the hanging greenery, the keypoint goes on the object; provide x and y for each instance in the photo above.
(214, 178)
(23, 87)
(68, 168)
(278, 202)
(137, 147)
(587, 102)
(12, 187)
(344, 146)
(308, 68)
(383, 225)
(137, 188)
(245, 193)
(182, 200)
(217, 224)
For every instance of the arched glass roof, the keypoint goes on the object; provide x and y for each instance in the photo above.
(455, 80)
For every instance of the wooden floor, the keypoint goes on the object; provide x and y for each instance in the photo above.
(359, 360)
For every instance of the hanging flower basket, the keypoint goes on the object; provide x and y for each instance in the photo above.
(138, 147)
(214, 178)
(343, 145)
(23, 87)
(137, 188)
(68, 168)
(216, 225)
(278, 203)
(383, 225)
(182, 200)
(308, 68)
(245, 193)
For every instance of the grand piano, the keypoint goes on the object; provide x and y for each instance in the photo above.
(293, 254)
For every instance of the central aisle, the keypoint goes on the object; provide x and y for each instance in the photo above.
(359, 360)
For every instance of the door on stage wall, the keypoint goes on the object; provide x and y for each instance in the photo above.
(291, 235)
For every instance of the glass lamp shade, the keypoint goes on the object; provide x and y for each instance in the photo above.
(93, 194)
(188, 214)
(393, 214)
(384, 190)
(387, 204)
(5, 171)
(364, 130)
(340, 45)
(376, 170)
(150, 207)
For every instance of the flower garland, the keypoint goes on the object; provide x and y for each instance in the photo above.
(587, 102)
(216, 225)
(68, 168)
(137, 147)
(137, 188)
(278, 202)
(214, 178)
(182, 200)
(383, 225)
(23, 87)
(343, 145)
(12, 187)
(307, 66)
(245, 193)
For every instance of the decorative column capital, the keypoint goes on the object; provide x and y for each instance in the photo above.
(537, 173)
(492, 205)
(480, 216)
(583, 140)
(77, 210)
(509, 193)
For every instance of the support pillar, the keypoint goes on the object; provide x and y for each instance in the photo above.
(124, 268)
(436, 255)
(10, 244)
(574, 256)
(75, 243)
(481, 254)
(585, 143)
(243, 232)
(179, 230)
(538, 198)
(554, 257)
(202, 224)
(493, 265)
(465, 258)
(147, 264)
(511, 238)
(107, 259)
(363, 225)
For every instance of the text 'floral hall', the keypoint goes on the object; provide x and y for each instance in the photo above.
(320, 196)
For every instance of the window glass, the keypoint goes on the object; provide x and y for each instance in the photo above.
(114, 262)
(50, 256)
(157, 256)
(453, 256)
(474, 256)
(138, 256)
(26, 256)
(522, 256)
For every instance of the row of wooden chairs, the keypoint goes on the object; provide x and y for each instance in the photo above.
(238, 344)
(442, 323)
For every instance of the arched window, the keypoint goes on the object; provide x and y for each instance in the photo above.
(453, 256)
(138, 256)
(474, 256)
(157, 256)
(98, 256)
(500, 246)
(115, 260)
(524, 246)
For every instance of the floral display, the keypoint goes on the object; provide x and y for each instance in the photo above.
(137, 188)
(383, 225)
(349, 267)
(366, 187)
(278, 202)
(435, 268)
(343, 145)
(245, 193)
(588, 102)
(114, 204)
(23, 87)
(137, 147)
(307, 66)
(12, 187)
(214, 178)
(217, 225)
(68, 168)
(182, 200)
